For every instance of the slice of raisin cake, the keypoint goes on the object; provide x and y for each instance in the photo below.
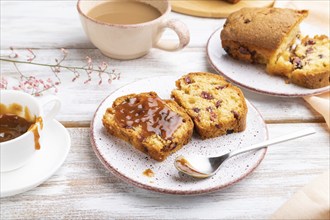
(216, 106)
(154, 126)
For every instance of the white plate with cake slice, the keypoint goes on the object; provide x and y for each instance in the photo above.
(138, 169)
(254, 76)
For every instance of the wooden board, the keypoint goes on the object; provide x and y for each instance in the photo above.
(215, 8)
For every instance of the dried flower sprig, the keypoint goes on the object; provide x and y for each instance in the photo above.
(36, 86)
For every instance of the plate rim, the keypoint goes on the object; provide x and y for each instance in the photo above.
(53, 170)
(126, 179)
(253, 89)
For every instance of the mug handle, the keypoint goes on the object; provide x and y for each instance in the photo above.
(45, 100)
(181, 30)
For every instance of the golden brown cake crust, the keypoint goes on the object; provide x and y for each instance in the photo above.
(262, 27)
(154, 145)
(246, 52)
(216, 106)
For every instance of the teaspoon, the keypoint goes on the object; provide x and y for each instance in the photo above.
(202, 167)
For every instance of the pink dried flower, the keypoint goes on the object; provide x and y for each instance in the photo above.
(3, 82)
(103, 66)
(13, 53)
(36, 86)
(32, 56)
(88, 60)
(64, 51)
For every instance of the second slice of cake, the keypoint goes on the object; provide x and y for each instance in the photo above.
(216, 106)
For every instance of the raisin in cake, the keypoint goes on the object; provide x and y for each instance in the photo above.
(154, 126)
(216, 106)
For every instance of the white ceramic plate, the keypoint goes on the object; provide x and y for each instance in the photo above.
(55, 146)
(127, 163)
(254, 77)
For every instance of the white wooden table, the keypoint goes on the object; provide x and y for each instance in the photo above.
(82, 188)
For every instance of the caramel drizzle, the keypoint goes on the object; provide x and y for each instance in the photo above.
(35, 131)
(148, 173)
(150, 114)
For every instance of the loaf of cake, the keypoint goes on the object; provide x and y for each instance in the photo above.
(257, 35)
(154, 126)
(271, 36)
(215, 106)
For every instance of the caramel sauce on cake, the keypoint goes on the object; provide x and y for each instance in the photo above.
(153, 126)
(149, 113)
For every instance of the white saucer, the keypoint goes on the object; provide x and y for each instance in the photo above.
(55, 147)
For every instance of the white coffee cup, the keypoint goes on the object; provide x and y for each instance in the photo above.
(131, 41)
(18, 151)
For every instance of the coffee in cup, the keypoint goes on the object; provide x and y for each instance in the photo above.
(128, 29)
(125, 12)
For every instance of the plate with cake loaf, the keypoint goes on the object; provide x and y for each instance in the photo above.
(272, 51)
(138, 131)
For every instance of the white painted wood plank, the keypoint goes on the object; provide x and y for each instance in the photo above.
(56, 24)
(83, 188)
(81, 100)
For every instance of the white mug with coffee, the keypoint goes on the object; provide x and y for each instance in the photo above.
(22, 118)
(128, 29)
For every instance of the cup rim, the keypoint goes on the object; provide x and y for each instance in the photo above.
(5, 143)
(125, 25)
